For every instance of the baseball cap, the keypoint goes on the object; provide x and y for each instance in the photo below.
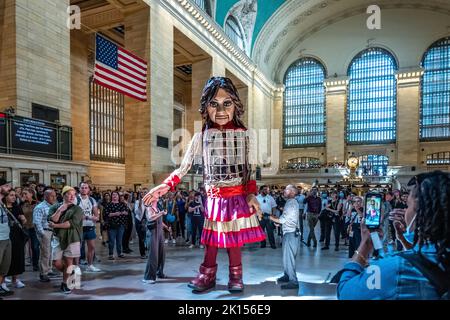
(4, 182)
(67, 188)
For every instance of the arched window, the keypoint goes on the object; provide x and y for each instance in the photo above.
(233, 31)
(373, 165)
(372, 98)
(438, 158)
(435, 92)
(304, 104)
(205, 6)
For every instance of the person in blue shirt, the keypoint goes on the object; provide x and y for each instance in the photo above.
(394, 277)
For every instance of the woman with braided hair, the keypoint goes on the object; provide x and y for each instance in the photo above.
(231, 208)
(422, 272)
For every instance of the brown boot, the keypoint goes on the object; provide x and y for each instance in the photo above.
(206, 279)
(235, 284)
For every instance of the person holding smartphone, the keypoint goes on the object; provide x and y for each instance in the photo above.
(354, 229)
(196, 208)
(421, 273)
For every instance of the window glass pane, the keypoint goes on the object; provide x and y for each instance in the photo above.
(373, 165)
(304, 104)
(435, 92)
(107, 124)
(234, 32)
(372, 98)
(439, 158)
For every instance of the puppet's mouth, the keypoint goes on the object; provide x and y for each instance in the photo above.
(222, 118)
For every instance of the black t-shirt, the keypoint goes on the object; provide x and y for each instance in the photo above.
(197, 212)
(116, 207)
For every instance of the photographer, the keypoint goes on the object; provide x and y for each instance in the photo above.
(156, 252)
(66, 219)
(197, 210)
(140, 222)
(420, 273)
(354, 230)
(333, 220)
(289, 222)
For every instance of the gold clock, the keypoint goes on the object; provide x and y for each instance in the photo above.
(353, 162)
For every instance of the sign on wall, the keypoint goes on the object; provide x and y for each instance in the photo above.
(33, 137)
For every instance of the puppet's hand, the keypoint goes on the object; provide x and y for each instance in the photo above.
(153, 195)
(253, 205)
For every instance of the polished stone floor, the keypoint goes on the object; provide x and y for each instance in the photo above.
(121, 278)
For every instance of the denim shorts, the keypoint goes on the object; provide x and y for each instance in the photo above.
(89, 233)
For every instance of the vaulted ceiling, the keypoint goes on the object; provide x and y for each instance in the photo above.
(297, 20)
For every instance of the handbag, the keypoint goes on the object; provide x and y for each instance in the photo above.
(151, 225)
(170, 218)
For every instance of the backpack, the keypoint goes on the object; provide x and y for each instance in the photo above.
(90, 199)
(437, 277)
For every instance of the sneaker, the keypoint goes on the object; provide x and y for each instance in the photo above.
(166, 241)
(4, 291)
(83, 262)
(191, 246)
(161, 276)
(4, 287)
(325, 248)
(65, 289)
(144, 257)
(8, 280)
(283, 278)
(19, 284)
(92, 268)
(174, 241)
(111, 258)
(121, 255)
(202, 246)
(52, 274)
(148, 281)
(289, 286)
(44, 278)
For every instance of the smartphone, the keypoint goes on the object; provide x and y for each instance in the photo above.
(372, 210)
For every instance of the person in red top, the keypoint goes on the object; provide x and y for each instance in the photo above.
(232, 210)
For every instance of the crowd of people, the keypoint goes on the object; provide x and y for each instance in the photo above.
(56, 229)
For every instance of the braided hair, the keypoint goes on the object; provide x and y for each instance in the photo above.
(209, 92)
(432, 194)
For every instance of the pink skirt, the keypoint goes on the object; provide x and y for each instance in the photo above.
(229, 223)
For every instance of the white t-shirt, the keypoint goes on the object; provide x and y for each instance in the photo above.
(266, 203)
(87, 205)
(4, 224)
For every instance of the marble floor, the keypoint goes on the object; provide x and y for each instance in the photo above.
(121, 279)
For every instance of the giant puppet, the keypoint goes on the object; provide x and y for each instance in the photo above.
(231, 210)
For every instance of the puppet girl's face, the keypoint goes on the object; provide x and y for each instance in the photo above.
(221, 108)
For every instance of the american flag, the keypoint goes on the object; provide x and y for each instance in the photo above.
(119, 69)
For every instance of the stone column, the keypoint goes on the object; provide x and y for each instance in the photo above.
(138, 116)
(8, 87)
(201, 72)
(336, 91)
(408, 100)
(161, 89)
(43, 56)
